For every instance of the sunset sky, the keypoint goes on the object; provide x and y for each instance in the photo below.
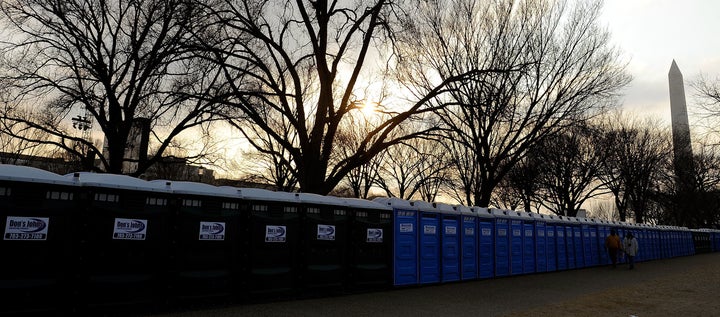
(654, 32)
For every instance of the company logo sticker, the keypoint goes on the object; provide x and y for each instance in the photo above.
(326, 232)
(275, 233)
(451, 230)
(212, 231)
(429, 229)
(130, 229)
(486, 232)
(469, 231)
(502, 232)
(26, 228)
(374, 235)
(406, 227)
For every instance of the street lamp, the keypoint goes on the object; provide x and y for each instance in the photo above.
(201, 171)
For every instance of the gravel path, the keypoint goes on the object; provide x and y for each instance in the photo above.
(685, 286)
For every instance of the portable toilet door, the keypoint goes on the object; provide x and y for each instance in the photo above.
(603, 232)
(37, 212)
(541, 258)
(486, 242)
(517, 256)
(578, 243)
(325, 221)
(272, 247)
(405, 241)
(551, 238)
(124, 242)
(529, 242)
(587, 242)
(468, 243)
(370, 245)
(206, 260)
(429, 243)
(502, 242)
(562, 244)
(450, 251)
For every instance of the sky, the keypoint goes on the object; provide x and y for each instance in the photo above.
(652, 33)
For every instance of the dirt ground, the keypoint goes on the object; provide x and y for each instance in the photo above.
(685, 286)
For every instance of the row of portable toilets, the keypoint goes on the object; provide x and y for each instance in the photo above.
(84, 242)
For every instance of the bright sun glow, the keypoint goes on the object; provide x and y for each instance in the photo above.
(368, 108)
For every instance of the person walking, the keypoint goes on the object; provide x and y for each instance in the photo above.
(613, 245)
(630, 246)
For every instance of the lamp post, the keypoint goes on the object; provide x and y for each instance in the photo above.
(84, 125)
(201, 171)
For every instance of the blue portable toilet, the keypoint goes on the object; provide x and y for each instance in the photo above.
(450, 236)
(124, 241)
(562, 243)
(517, 242)
(468, 243)
(529, 242)
(587, 242)
(272, 247)
(38, 214)
(486, 242)
(552, 244)
(370, 244)
(429, 242)
(579, 252)
(325, 221)
(603, 232)
(405, 241)
(502, 242)
(541, 245)
(206, 237)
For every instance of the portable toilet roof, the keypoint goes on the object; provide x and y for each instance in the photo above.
(445, 208)
(31, 175)
(396, 203)
(117, 182)
(309, 198)
(192, 188)
(482, 212)
(538, 217)
(464, 210)
(500, 213)
(262, 194)
(423, 205)
(364, 204)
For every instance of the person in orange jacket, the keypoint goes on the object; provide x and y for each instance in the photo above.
(613, 245)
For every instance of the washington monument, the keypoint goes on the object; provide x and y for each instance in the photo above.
(682, 147)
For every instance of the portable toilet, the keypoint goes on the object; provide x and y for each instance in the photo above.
(502, 242)
(468, 243)
(272, 247)
(529, 243)
(371, 245)
(517, 242)
(588, 242)
(603, 233)
(38, 214)
(405, 240)
(578, 242)
(451, 222)
(562, 244)
(429, 243)
(325, 222)
(124, 240)
(551, 242)
(205, 257)
(486, 242)
(541, 257)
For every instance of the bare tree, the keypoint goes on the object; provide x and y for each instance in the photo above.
(305, 62)
(638, 152)
(119, 61)
(565, 70)
(520, 187)
(570, 167)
